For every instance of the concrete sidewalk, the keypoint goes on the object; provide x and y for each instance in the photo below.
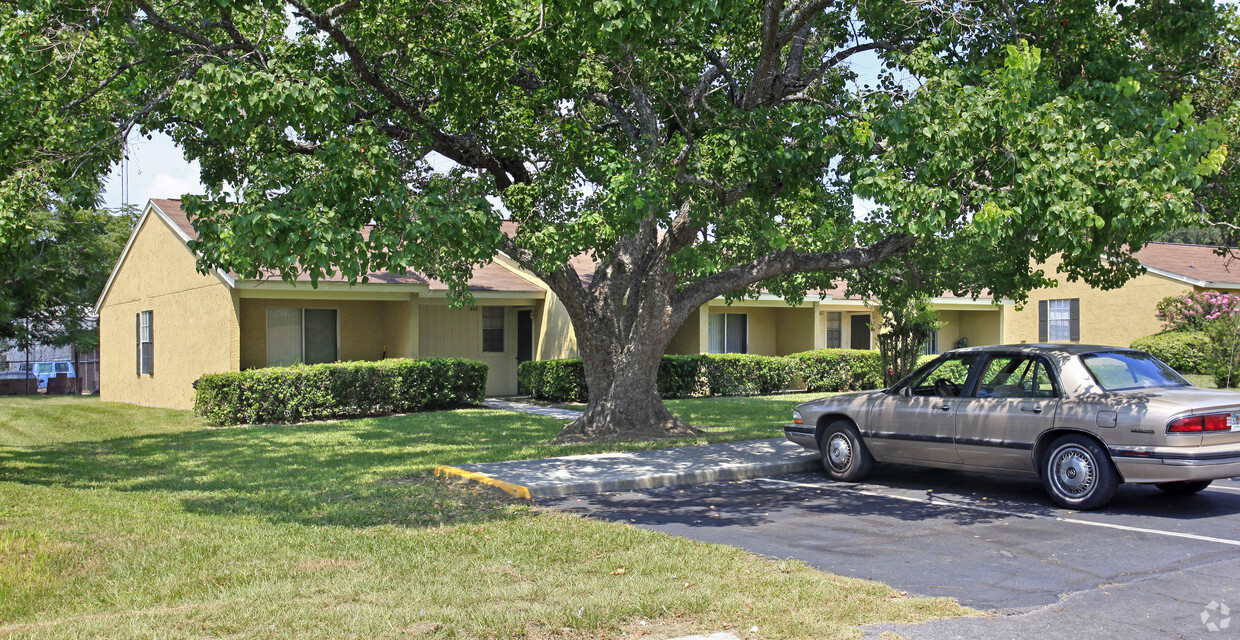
(602, 472)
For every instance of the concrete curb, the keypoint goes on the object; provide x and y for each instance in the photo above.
(608, 472)
(515, 490)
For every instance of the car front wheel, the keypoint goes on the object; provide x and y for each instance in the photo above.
(1183, 488)
(844, 455)
(1078, 474)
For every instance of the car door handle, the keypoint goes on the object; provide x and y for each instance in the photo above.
(944, 407)
(1033, 409)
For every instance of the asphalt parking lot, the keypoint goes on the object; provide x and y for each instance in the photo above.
(1149, 565)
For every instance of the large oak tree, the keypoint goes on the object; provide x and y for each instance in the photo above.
(693, 148)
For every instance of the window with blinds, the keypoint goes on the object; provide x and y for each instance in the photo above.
(835, 329)
(729, 333)
(146, 343)
(309, 336)
(493, 329)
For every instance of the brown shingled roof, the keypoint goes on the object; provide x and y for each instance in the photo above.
(489, 277)
(1195, 262)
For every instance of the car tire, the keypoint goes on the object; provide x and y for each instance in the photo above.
(1183, 488)
(1078, 473)
(844, 456)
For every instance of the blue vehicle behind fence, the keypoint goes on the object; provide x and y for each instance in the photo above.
(44, 371)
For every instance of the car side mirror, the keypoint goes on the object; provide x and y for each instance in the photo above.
(906, 392)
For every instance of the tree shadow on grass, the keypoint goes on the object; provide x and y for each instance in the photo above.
(358, 473)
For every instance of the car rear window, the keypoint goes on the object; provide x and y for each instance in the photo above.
(1118, 370)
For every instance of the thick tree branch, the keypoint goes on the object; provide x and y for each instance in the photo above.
(159, 22)
(464, 149)
(782, 263)
(622, 116)
(103, 84)
(844, 54)
(801, 14)
(767, 64)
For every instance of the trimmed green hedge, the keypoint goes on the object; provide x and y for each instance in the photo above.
(555, 380)
(679, 376)
(740, 374)
(684, 376)
(337, 390)
(730, 374)
(1184, 351)
(839, 369)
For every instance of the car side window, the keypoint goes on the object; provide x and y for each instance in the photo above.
(1016, 377)
(946, 380)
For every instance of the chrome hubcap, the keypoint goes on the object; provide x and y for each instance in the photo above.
(1073, 471)
(839, 452)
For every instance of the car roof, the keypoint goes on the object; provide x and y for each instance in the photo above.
(1044, 349)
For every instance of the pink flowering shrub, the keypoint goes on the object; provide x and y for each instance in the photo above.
(1192, 311)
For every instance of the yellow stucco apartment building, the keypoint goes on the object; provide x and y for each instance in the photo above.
(1076, 312)
(163, 324)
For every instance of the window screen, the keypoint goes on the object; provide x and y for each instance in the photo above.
(319, 338)
(835, 326)
(729, 333)
(283, 337)
(1058, 320)
(301, 336)
(146, 343)
(492, 329)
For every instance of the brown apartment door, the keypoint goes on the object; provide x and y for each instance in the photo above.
(525, 339)
(860, 332)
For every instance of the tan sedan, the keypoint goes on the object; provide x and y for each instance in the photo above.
(1082, 418)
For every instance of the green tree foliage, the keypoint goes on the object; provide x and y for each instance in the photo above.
(1207, 236)
(693, 148)
(53, 269)
(908, 322)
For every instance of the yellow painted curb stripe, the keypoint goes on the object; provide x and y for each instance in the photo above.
(515, 489)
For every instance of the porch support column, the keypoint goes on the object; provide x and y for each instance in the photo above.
(703, 319)
(415, 336)
(820, 338)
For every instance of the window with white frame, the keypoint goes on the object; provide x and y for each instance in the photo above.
(932, 344)
(1058, 320)
(309, 336)
(493, 329)
(835, 329)
(729, 333)
(146, 343)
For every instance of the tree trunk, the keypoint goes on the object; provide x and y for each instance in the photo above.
(623, 344)
(624, 400)
(628, 409)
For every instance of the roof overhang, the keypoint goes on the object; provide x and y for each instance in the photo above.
(1205, 284)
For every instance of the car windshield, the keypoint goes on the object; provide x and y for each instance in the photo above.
(1117, 371)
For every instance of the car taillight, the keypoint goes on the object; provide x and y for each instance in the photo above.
(1200, 424)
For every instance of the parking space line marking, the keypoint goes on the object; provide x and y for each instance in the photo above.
(1232, 489)
(1005, 512)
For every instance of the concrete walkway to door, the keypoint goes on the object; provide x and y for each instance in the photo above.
(550, 412)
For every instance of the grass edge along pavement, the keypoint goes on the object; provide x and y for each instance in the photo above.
(339, 530)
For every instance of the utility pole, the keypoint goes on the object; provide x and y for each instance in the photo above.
(26, 338)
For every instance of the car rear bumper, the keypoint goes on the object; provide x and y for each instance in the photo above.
(1175, 464)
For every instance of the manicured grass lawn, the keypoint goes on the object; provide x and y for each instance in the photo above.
(125, 522)
(1200, 380)
(734, 418)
